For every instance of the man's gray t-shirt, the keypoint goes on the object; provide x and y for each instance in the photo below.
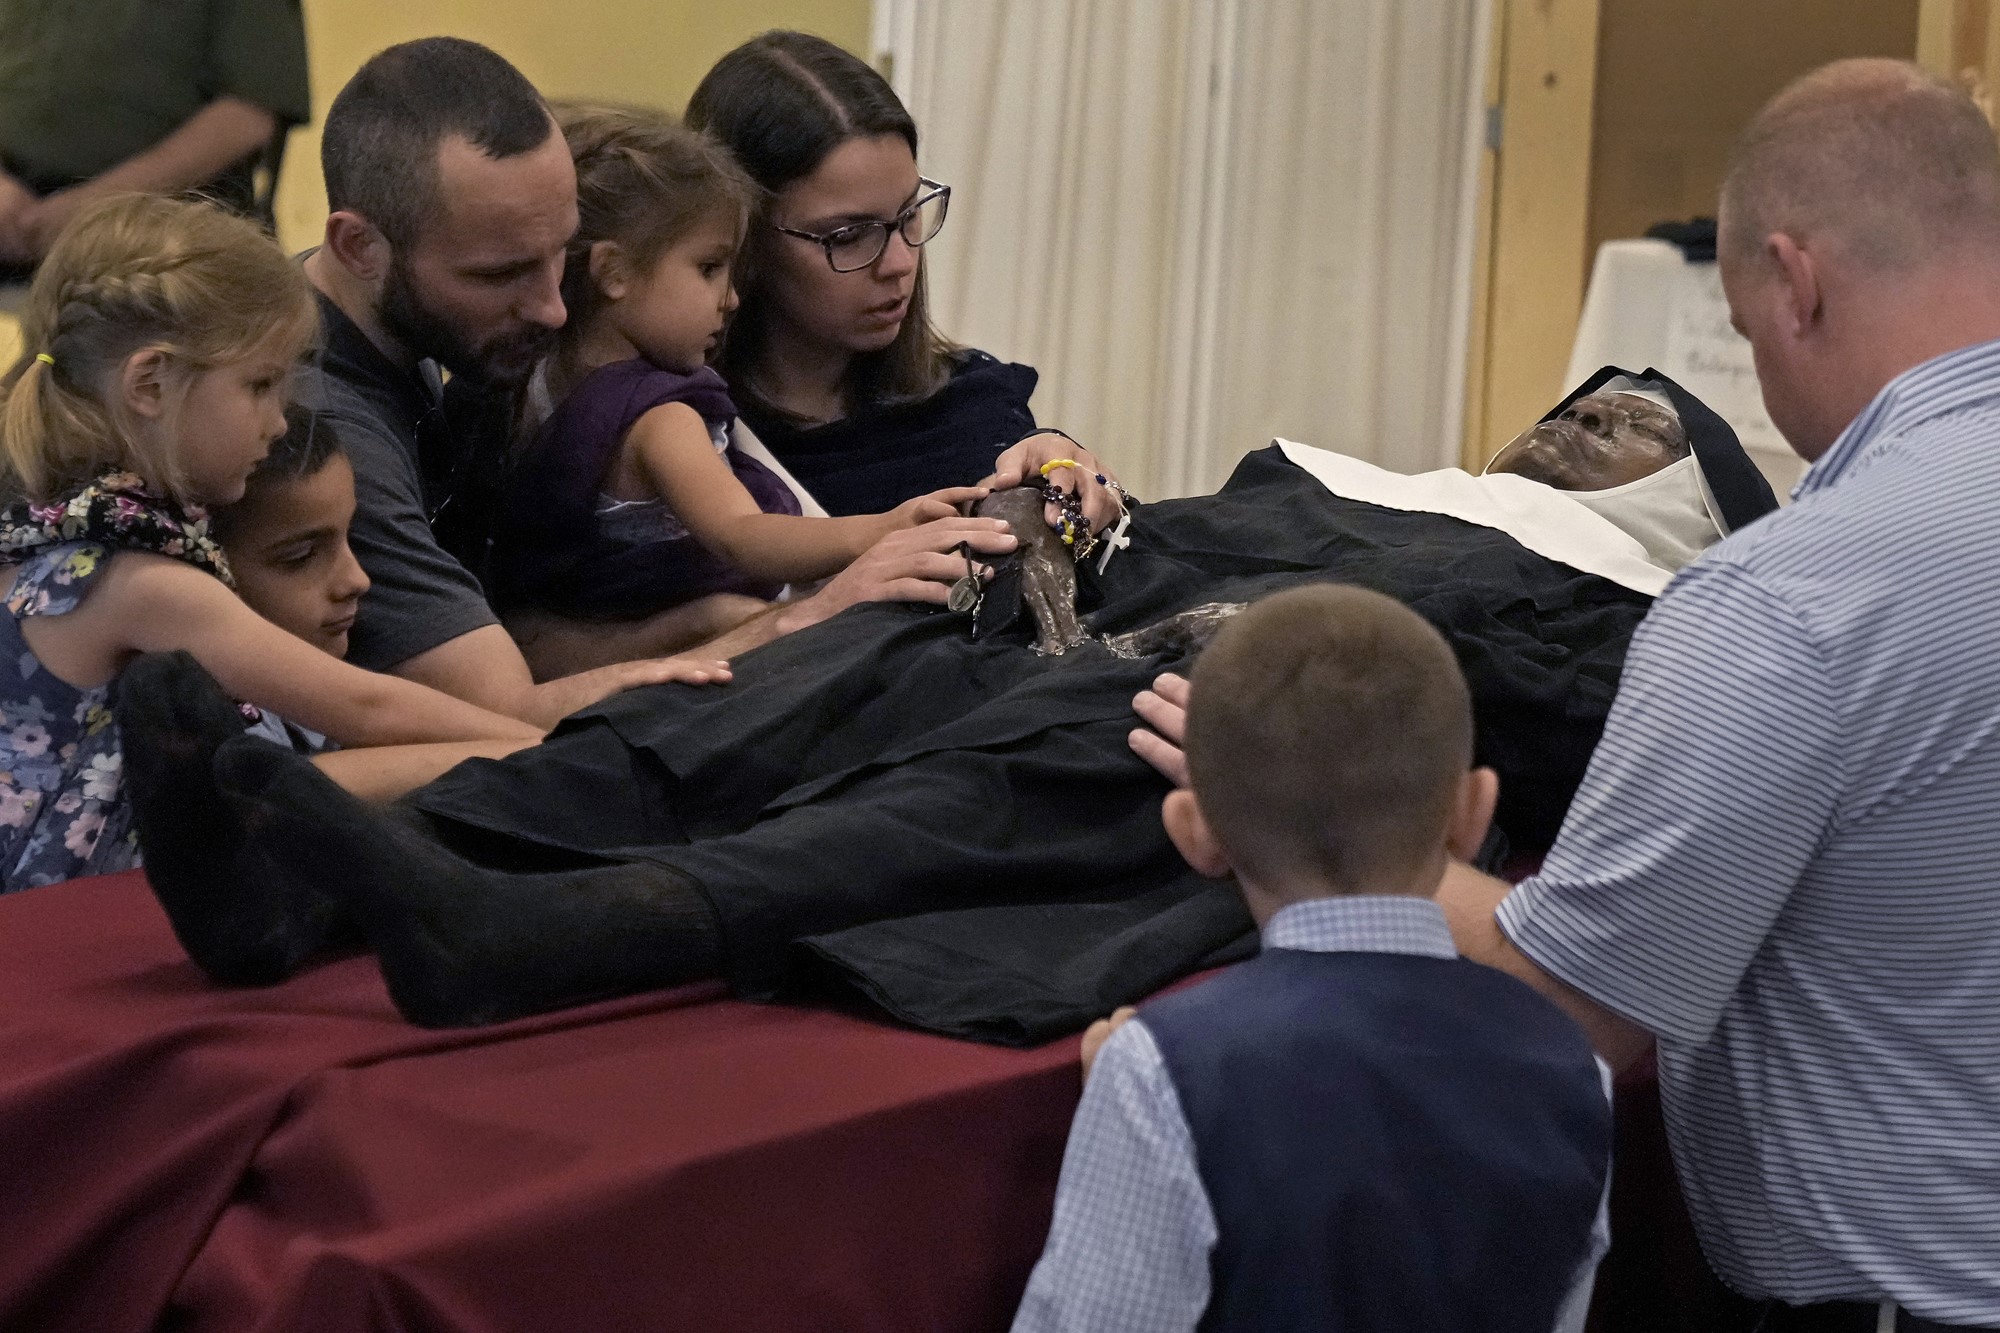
(418, 597)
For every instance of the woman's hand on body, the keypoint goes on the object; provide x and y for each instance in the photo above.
(1025, 460)
(1164, 710)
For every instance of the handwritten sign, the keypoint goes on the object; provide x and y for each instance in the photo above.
(1712, 360)
(1649, 306)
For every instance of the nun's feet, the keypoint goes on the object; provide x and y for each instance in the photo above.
(204, 857)
(462, 945)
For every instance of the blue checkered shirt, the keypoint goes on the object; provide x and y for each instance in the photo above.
(1785, 863)
(1129, 1249)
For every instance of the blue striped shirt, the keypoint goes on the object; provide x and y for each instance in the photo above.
(1785, 863)
(1128, 1251)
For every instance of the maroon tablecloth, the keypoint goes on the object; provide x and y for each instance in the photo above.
(298, 1158)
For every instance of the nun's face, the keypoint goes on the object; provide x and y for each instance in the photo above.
(1600, 441)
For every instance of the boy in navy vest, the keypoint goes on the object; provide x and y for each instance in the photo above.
(1357, 1130)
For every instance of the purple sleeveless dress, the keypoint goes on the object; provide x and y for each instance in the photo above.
(561, 547)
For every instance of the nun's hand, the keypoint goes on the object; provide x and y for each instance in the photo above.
(1164, 709)
(1089, 478)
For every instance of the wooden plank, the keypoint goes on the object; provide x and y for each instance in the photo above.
(1542, 193)
(1934, 31)
(1472, 437)
(1959, 41)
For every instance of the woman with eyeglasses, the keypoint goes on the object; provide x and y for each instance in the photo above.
(832, 359)
(635, 497)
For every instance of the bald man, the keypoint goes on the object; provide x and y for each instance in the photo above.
(1784, 865)
(1783, 868)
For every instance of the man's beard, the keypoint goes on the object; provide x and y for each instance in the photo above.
(501, 363)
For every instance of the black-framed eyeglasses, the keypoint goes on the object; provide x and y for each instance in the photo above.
(851, 248)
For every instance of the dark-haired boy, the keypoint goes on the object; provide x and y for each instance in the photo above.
(1357, 1129)
(286, 540)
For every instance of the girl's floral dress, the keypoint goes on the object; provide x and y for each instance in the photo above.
(60, 812)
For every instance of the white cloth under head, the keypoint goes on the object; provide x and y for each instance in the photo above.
(1672, 532)
(1667, 513)
(1545, 520)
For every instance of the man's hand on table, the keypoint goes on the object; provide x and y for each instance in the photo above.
(1024, 461)
(1164, 710)
(1100, 1032)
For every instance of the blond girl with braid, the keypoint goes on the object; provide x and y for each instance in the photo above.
(161, 337)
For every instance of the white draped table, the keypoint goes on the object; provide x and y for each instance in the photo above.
(1648, 305)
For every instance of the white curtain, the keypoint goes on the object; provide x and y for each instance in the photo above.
(1207, 222)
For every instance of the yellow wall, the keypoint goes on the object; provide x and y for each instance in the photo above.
(1617, 114)
(10, 332)
(1960, 40)
(1678, 80)
(647, 51)
(1547, 51)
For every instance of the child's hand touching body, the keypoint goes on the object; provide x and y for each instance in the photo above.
(669, 453)
(672, 313)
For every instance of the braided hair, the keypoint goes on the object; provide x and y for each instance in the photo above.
(644, 182)
(140, 272)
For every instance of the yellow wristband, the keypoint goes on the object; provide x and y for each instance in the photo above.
(45, 358)
(1055, 463)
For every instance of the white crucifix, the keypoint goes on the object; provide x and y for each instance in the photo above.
(1115, 540)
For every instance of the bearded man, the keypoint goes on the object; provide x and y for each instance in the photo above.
(452, 199)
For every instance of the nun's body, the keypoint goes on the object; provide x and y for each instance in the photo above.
(887, 790)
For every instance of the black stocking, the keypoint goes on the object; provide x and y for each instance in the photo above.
(205, 854)
(462, 945)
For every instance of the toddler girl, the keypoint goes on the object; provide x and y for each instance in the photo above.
(160, 338)
(633, 497)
